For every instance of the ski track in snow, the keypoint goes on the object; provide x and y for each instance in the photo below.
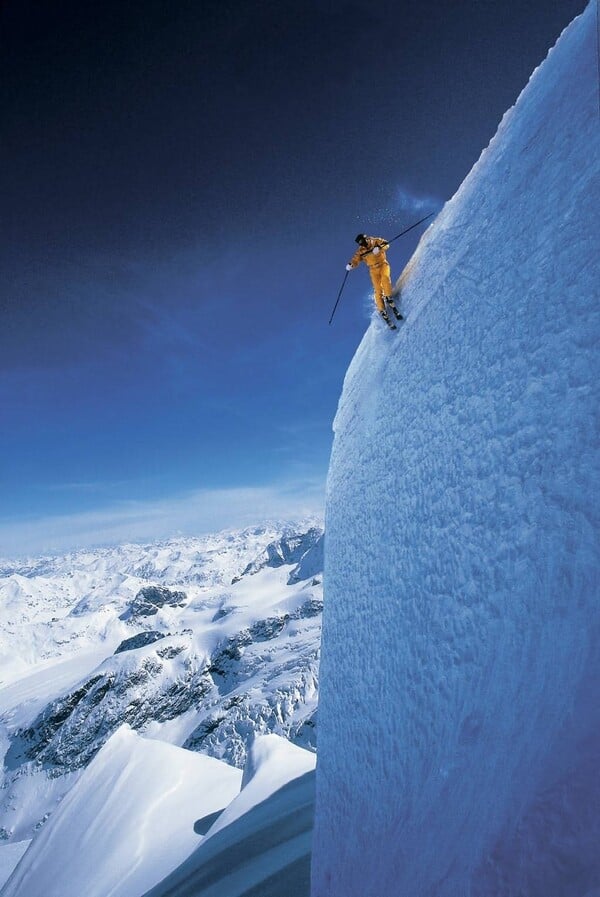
(461, 618)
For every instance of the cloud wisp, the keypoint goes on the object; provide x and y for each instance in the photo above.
(193, 513)
(407, 202)
(405, 208)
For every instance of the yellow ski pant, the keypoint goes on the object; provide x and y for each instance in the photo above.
(382, 284)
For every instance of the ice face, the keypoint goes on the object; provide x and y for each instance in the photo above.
(458, 725)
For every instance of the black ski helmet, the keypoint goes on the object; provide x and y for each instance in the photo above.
(360, 239)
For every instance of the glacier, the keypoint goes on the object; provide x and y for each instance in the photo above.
(459, 737)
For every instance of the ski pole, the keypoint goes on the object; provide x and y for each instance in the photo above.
(339, 296)
(401, 234)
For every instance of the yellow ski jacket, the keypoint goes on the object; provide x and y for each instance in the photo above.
(366, 254)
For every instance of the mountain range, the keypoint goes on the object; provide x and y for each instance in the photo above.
(204, 644)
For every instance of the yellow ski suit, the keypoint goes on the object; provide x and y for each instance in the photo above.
(378, 266)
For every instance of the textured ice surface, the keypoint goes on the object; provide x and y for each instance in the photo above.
(459, 720)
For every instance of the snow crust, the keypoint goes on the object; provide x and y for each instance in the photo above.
(127, 822)
(459, 722)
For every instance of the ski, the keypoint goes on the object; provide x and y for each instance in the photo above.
(392, 305)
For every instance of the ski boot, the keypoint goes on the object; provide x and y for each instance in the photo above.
(386, 318)
(392, 305)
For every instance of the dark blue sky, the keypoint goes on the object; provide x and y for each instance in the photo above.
(181, 185)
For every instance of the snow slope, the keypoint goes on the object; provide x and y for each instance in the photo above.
(127, 822)
(10, 854)
(462, 564)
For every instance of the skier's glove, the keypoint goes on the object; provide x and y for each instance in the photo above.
(376, 250)
(348, 267)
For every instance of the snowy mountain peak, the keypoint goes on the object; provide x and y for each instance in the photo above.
(269, 752)
(302, 549)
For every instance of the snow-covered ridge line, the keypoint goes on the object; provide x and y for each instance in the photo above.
(38, 565)
(146, 814)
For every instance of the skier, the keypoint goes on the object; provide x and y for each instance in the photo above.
(371, 251)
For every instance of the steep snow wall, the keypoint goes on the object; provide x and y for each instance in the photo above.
(459, 721)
